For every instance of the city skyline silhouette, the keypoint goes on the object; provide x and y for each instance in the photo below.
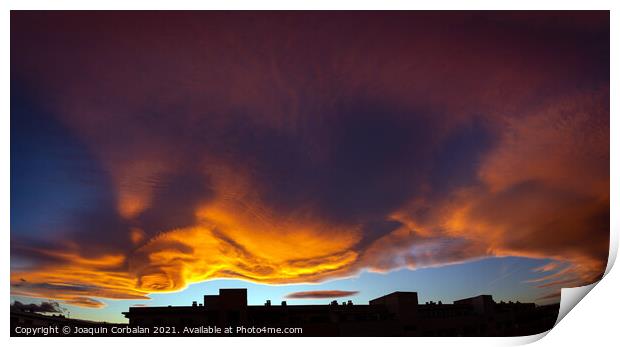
(228, 314)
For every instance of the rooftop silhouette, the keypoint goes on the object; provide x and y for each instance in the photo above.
(394, 314)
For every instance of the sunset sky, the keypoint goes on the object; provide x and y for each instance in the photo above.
(159, 156)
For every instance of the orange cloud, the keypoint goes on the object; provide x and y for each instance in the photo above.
(76, 280)
(547, 267)
(543, 193)
(85, 302)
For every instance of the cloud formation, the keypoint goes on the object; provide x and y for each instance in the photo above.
(304, 147)
(321, 294)
(43, 307)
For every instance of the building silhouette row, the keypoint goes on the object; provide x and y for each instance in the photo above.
(395, 314)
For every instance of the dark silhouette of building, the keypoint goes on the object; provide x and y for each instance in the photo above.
(395, 314)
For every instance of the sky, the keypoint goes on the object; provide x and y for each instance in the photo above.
(159, 156)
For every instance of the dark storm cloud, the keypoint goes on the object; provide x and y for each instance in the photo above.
(456, 162)
(175, 199)
(365, 161)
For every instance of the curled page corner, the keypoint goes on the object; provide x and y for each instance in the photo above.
(525, 340)
(570, 298)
